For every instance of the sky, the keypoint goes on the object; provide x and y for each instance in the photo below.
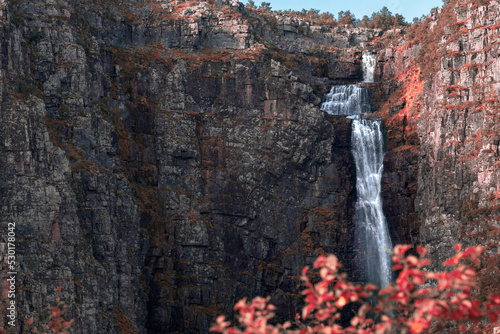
(409, 9)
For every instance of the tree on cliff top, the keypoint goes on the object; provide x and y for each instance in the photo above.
(346, 18)
(383, 19)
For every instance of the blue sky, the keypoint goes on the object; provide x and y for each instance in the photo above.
(409, 9)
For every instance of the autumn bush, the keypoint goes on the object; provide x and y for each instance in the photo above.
(419, 301)
(55, 323)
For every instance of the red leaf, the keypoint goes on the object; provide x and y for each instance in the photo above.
(422, 292)
(55, 312)
(417, 327)
(495, 299)
(389, 289)
(493, 317)
(307, 310)
(453, 261)
(240, 304)
(401, 249)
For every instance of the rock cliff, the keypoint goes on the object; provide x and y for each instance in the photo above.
(160, 162)
(163, 159)
(443, 127)
(458, 194)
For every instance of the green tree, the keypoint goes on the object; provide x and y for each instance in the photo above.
(384, 20)
(365, 21)
(266, 6)
(398, 20)
(346, 18)
(327, 18)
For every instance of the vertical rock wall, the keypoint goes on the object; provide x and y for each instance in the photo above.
(459, 180)
(396, 98)
(163, 160)
(157, 179)
(443, 125)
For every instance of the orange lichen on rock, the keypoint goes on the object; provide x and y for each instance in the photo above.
(410, 92)
(413, 87)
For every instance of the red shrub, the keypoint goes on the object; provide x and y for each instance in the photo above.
(410, 305)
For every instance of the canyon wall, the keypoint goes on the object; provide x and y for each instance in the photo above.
(441, 111)
(459, 177)
(162, 160)
(161, 163)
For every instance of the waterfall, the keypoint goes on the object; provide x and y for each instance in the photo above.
(347, 100)
(373, 240)
(368, 66)
(373, 237)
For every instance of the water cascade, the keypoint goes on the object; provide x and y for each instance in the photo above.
(373, 234)
(347, 100)
(373, 240)
(368, 66)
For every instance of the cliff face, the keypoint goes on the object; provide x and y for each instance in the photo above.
(162, 160)
(160, 163)
(459, 183)
(398, 102)
(443, 132)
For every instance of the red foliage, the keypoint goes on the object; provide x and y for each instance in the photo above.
(494, 27)
(456, 88)
(57, 323)
(419, 301)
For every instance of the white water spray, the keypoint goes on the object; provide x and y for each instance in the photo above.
(369, 61)
(347, 100)
(373, 237)
(367, 139)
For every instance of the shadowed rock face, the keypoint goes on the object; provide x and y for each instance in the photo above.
(158, 179)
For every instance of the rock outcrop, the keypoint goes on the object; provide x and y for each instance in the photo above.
(459, 181)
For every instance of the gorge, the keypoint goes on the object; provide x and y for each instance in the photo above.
(163, 159)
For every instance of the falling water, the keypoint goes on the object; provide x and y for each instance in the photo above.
(368, 150)
(368, 66)
(347, 100)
